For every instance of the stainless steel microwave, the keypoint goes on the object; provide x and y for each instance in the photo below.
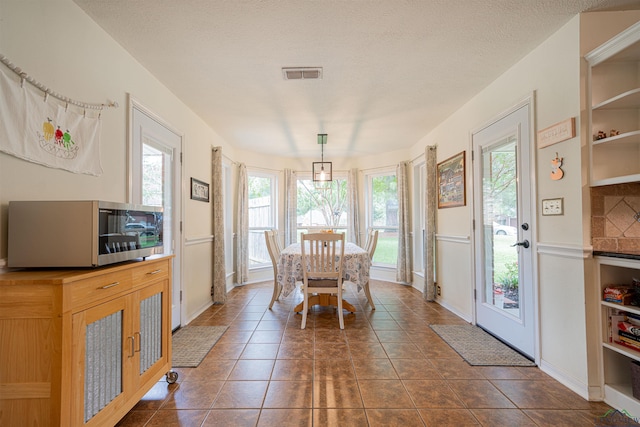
(84, 233)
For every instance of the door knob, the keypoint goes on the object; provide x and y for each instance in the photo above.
(524, 243)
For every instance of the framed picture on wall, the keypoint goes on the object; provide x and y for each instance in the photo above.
(451, 182)
(199, 190)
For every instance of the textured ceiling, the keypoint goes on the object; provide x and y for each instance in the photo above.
(392, 69)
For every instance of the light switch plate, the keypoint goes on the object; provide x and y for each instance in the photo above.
(553, 206)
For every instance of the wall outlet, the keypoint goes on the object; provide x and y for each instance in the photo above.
(438, 290)
(553, 206)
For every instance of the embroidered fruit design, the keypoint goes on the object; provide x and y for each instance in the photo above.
(47, 129)
(59, 135)
(66, 140)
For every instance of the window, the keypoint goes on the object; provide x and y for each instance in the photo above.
(382, 215)
(262, 215)
(321, 209)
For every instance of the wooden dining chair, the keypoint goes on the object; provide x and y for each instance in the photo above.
(322, 261)
(274, 248)
(370, 247)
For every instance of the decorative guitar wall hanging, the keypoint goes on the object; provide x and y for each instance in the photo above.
(556, 172)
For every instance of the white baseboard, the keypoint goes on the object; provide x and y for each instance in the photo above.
(578, 387)
(199, 312)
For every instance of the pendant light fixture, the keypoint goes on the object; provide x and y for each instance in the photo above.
(322, 171)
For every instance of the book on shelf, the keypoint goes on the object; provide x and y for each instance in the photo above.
(627, 345)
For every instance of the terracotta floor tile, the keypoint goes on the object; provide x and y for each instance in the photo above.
(226, 351)
(266, 337)
(156, 396)
(367, 350)
(303, 350)
(394, 417)
(340, 417)
(333, 369)
(502, 373)
(292, 369)
(392, 336)
(448, 417)
(241, 394)
(554, 417)
(252, 370)
(270, 325)
(529, 394)
(502, 417)
(479, 394)
(243, 325)
(432, 394)
(415, 369)
(212, 368)
(260, 351)
(456, 369)
(402, 350)
(331, 350)
(336, 394)
(177, 418)
(136, 418)
(235, 337)
(384, 394)
(232, 417)
(285, 418)
(193, 395)
(289, 394)
(374, 369)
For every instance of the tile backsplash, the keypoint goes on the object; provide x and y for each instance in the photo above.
(615, 218)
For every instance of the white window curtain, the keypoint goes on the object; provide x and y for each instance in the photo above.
(219, 280)
(404, 271)
(242, 255)
(431, 198)
(290, 207)
(353, 230)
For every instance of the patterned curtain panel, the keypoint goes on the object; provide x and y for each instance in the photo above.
(353, 230)
(290, 207)
(219, 285)
(242, 258)
(404, 271)
(431, 199)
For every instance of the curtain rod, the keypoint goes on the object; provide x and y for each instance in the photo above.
(48, 92)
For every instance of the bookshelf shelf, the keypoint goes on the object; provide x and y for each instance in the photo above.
(616, 358)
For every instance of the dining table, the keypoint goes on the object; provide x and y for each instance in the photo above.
(355, 269)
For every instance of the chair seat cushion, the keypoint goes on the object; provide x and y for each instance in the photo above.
(323, 283)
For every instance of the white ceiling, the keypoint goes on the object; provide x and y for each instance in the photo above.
(392, 69)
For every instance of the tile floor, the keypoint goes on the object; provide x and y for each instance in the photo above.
(387, 368)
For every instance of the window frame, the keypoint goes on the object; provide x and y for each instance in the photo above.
(307, 176)
(369, 177)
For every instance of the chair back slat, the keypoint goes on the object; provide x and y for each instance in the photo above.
(372, 242)
(323, 255)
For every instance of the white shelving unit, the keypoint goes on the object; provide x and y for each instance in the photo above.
(614, 97)
(616, 359)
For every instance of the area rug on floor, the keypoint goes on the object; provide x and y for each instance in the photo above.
(478, 347)
(190, 344)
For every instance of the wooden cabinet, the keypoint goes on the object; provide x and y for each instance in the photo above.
(614, 100)
(81, 347)
(616, 358)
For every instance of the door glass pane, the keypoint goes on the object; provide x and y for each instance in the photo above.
(156, 186)
(500, 220)
(261, 217)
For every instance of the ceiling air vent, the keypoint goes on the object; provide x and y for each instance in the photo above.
(302, 73)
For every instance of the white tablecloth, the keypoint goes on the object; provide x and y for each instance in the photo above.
(355, 269)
